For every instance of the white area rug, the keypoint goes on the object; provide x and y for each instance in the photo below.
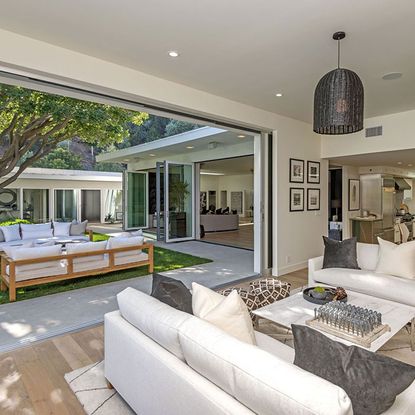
(89, 386)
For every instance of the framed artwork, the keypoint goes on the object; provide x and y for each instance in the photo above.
(313, 199)
(354, 194)
(296, 171)
(203, 200)
(296, 199)
(313, 172)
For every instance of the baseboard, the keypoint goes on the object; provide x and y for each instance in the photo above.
(292, 267)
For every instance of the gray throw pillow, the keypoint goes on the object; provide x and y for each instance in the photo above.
(340, 254)
(172, 292)
(78, 228)
(1, 236)
(371, 381)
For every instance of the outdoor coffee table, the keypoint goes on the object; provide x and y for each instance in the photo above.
(296, 310)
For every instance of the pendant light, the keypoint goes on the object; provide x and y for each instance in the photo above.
(338, 100)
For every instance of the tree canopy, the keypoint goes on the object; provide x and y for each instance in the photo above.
(60, 158)
(33, 123)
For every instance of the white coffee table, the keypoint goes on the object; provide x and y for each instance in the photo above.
(296, 310)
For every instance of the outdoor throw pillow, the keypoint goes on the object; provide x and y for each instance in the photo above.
(398, 260)
(341, 254)
(172, 292)
(78, 228)
(61, 228)
(228, 313)
(371, 381)
(11, 233)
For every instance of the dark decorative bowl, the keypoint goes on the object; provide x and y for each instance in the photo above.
(328, 296)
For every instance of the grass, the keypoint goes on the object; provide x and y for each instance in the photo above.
(164, 260)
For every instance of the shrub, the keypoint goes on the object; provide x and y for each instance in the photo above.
(14, 222)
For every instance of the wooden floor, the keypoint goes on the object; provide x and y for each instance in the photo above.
(31, 378)
(242, 238)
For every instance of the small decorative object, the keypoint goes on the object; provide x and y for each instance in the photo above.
(356, 324)
(323, 295)
(313, 172)
(354, 194)
(338, 100)
(340, 294)
(313, 199)
(296, 171)
(296, 199)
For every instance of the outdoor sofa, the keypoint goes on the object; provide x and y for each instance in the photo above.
(26, 266)
(164, 361)
(33, 234)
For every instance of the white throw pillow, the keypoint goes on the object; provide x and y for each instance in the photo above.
(397, 260)
(41, 230)
(61, 228)
(9, 250)
(228, 313)
(11, 233)
(86, 247)
(36, 252)
(117, 242)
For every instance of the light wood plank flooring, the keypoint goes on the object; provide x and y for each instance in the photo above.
(31, 378)
(242, 238)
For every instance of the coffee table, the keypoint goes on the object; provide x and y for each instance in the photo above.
(296, 310)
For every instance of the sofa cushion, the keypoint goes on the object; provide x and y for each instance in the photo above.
(78, 228)
(46, 271)
(117, 242)
(261, 381)
(398, 260)
(121, 259)
(155, 319)
(367, 255)
(172, 292)
(340, 254)
(40, 230)
(371, 381)
(61, 228)
(369, 282)
(74, 248)
(229, 313)
(91, 265)
(11, 233)
(36, 252)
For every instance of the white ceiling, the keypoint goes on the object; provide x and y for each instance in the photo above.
(400, 158)
(239, 49)
(238, 165)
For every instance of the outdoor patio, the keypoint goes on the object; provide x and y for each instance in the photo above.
(31, 320)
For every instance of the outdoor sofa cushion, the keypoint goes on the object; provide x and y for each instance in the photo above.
(33, 231)
(127, 257)
(47, 271)
(61, 228)
(78, 228)
(74, 248)
(11, 233)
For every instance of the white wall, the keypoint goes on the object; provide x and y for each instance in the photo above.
(349, 172)
(398, 134)
(297, 235)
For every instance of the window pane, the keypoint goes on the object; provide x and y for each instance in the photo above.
(65, 205)
(9, 204)
(137, 200)
(36, 205)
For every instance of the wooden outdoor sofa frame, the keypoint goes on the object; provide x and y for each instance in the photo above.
(12, 284)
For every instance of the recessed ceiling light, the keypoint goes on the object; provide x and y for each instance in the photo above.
(391, 76)
(399, 162)
(152, 155)
(241, 136)
(173, 53)
(190, 147)
(278, 94)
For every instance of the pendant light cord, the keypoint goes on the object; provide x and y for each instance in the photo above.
(338, 53)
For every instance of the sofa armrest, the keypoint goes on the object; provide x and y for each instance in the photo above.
(314, 264)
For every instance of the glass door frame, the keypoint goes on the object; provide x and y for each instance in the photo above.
(125, 200)
(166, 201)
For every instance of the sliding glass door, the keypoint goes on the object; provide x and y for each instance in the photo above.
(136, 200)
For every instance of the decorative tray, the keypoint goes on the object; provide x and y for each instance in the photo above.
(329, 296)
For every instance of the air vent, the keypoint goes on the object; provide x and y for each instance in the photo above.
(374, 131)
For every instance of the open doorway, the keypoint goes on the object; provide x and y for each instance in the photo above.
(91, 205)
(227, 202)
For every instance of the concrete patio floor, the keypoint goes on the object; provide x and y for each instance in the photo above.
(27, 321)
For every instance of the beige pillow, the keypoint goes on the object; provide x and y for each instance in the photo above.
(398, 260)
(228, 313)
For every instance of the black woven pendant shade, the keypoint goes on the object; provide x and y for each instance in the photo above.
(338, 101)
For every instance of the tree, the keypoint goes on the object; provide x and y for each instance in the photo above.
(33, 123)
(177, 127)
(60, 158)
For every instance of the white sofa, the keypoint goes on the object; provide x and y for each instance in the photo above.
(217, 223)
(364, 280)
(37, 234)
(166, 362)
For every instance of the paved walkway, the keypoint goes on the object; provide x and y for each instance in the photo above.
(32, 320)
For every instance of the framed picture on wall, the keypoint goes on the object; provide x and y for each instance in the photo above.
(354, 194)
(296, 171)
(313, 172)
(296, 199)
(313, 199)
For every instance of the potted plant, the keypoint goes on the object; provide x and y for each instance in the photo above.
(178, 192)
(319, 293)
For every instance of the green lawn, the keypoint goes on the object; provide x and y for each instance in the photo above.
(164, 260)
